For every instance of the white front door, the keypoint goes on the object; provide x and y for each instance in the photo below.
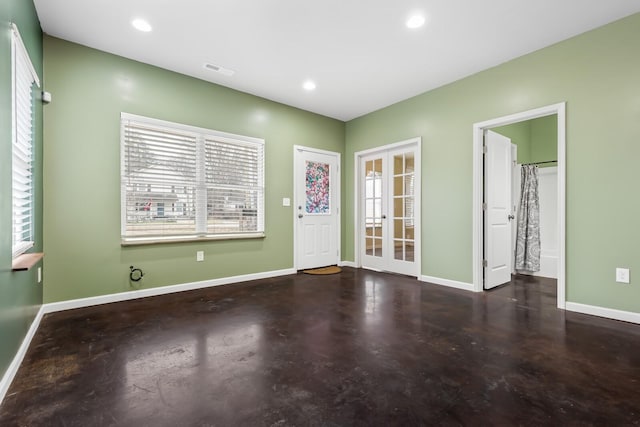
(498, 213)
(389, 210)
(316, 207)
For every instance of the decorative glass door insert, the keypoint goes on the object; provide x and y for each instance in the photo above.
(317, 186)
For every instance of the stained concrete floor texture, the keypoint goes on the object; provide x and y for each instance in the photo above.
(351, 349)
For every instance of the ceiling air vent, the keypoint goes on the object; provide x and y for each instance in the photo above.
(218, 69)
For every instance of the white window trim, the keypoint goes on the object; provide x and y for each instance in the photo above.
(19, 52)
(202, 133)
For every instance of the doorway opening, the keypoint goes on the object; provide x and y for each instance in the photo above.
(479, 247)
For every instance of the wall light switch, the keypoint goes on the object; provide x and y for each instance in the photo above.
(200, 256)
(622, 275)
(286, 201)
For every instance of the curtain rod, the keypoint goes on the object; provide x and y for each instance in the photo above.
(540, 163)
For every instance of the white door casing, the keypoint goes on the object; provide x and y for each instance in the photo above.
(387, 218)
(498, 214)
(316, 208)
(477, 218)
(515, 200)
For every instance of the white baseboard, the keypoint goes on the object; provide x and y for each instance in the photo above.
(161, 290)
(610, 313)
(347, 264)
(447, 282)
(8, 376)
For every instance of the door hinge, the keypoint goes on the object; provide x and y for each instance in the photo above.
(484, 206)
(484, 149)
(484, 263)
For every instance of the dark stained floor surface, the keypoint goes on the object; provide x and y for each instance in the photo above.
(356, 348)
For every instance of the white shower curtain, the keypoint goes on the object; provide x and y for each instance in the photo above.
(528, 233)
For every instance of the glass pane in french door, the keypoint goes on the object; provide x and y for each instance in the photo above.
(403, 206)
(373, 207)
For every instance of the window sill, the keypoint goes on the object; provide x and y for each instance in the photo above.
(24, 262)
(159, 240)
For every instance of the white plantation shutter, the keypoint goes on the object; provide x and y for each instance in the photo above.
(184, 183)
(23, 79)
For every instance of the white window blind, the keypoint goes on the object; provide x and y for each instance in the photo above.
(23, 77)
(186, 183)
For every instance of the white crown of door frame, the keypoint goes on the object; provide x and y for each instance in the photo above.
(356, 195)
(478, 130)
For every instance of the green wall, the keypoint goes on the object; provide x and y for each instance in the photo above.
(82, 171)
(20, 294)
(544, 140)
(537, 139)
(598, 75)
(595, 73)
(520, 135)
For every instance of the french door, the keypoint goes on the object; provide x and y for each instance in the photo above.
(389, 209)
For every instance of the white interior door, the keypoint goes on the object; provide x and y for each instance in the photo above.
(498, 213)
(389, 210)
(316, 207)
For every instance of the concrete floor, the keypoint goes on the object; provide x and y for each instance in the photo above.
(356, 348)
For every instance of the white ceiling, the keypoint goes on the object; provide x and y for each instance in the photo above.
(359, 52)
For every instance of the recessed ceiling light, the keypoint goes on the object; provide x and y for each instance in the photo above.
(415, 21)
(309, 85)
(141, 25)
(219, 69)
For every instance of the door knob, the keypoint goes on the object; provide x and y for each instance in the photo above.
(510, 217)
(384, 217)
(300, 215)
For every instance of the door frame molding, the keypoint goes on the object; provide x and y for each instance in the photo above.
(417, 141)
(338, 186)
(478, 239)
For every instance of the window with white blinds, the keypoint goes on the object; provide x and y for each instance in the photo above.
(23, 78)
(181, 182)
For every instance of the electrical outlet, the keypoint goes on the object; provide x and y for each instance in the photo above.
(39, 274)
(199, 256)
(622, 275)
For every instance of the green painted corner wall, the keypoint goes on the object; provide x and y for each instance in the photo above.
(598, 75)
(537, 139)
(20, 294)
(520, 135)
(82, 171)
(544, 140)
